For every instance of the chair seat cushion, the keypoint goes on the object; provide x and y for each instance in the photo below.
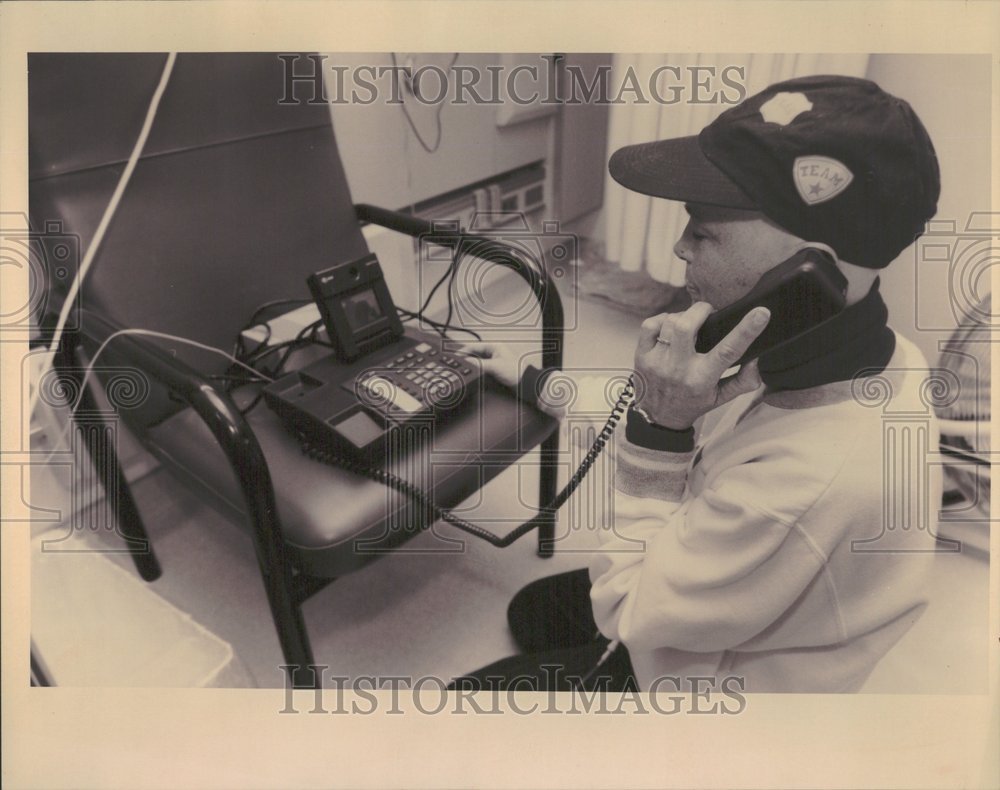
(334, 521)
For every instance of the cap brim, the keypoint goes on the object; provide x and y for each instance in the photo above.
(676, 170)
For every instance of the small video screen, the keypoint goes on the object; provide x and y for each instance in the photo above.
(362, 310)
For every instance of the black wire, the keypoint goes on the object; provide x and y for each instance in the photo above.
(288, 346)
(254, 319)
(442, 328)
(437, 115)
(546, 513)
(299, 340)
(237, 379)
(450, 289)
(447, 273)
(250, 406)
(268, 305)
(248, 357)
(265, 351)
(409, 315)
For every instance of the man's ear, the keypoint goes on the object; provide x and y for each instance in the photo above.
(818, 245)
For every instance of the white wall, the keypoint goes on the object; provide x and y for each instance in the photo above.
(952, 96)
(385, 163)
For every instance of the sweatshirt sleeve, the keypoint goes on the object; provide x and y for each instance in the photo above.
(703, 574)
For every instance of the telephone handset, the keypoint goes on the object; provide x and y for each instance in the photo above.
(801, 293)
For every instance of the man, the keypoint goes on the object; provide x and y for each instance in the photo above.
(757, 556)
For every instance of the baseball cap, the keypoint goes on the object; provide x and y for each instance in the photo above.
(831, 159)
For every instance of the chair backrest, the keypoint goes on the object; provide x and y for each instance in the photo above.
(237, 197)
(965, 418)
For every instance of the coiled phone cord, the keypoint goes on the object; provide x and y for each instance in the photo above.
(545, 513)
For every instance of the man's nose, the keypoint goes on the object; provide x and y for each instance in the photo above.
(681, 250)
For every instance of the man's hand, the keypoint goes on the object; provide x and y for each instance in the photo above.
(677, 384)
(499, 361)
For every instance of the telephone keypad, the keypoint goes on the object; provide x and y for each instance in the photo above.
(425, 374)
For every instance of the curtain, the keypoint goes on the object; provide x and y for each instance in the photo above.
(640, 231)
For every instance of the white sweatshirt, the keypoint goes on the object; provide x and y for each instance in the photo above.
(789, 549)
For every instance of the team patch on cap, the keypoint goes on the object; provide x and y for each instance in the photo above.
(783, 108)
(819, 178)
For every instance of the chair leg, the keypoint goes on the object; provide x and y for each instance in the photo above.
(40, 675)
(290, 624)
(104, 458)
(547, 479)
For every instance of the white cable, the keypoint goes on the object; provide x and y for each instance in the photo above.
(109, 213)
(612, 647)
(149, 333)
(166, 336)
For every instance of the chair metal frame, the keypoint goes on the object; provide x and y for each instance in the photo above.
(285, 588)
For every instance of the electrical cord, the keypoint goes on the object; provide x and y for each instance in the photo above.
(451, 289)
(89, 370)
(109, 212)
(442, 329)
(230, 383)
(252, 404)
(306, 335)
(545, 513)
(449, 272)
(431, 149)
(288, 346)
(256, 314)
(613, 645)
(239, 350)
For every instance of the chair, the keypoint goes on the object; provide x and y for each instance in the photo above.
(236, 199)
(965, 428)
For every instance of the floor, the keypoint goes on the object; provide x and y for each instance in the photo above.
(444, 614)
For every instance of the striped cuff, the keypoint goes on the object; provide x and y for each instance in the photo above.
(651, 474)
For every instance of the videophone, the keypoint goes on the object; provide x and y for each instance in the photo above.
(377, 378)
(356, 307)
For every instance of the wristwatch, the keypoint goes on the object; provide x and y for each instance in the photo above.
(642, 431)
